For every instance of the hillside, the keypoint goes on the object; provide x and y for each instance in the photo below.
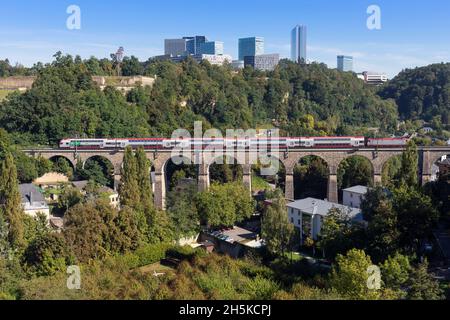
(299, 99)
(421, 93)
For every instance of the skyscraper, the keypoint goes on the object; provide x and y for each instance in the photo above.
(194, 43)
(345, 63)
(211, 47)
(298, 43)
(175, 47)
(253, 46)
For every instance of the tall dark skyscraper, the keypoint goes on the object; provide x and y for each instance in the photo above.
(253, 46)
(298, 43)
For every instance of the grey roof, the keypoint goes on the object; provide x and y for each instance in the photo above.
(357, 189)
(27, 190)
(80, 184)
(321, 207)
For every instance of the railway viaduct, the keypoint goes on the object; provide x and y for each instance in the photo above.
(289, 159)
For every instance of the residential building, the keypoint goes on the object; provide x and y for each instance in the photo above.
(264, 62)
(175, 47)
(298, 43)
(193, 44)
(373, 78)
(111, 195)
(211, 48)
(33, 201)
(51, 183)
(307, 215)
(354, 196)
(345, 63)
(253, 46)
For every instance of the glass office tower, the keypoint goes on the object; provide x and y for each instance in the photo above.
(253, 46)
(345, 63)
(298, 44)
(211, 47)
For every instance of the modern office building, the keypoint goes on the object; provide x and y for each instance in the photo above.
(345, 63)
(238, 64)
(298, 43)
(211, 47)
(175, 47)
(263, 62)
(373, 78)
(253, 46)
(193, 44)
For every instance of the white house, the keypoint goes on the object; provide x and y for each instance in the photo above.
(308, 215)
(354, 196)
(33, 202)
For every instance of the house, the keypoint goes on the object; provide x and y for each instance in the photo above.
(51, 183)
(308, 214)
(444, 167)
(354, 196)
(33, 202)
(111, 195)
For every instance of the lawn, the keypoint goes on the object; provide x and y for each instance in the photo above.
(156, 267)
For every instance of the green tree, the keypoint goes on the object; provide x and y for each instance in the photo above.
(144, 183)
(10, 202)
(395, 273)
(422, 286)
(277, 230)
(349, 276)
(409, 170)
(129, 188)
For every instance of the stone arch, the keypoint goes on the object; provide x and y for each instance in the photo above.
(109, 169)
(316, 181)
(370, 179)
(278, 178)
(58, 165)
(383, 169)
(216, 161)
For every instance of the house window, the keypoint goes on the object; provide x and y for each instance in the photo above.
(292, 220)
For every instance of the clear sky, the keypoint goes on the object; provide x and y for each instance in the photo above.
(413, 32)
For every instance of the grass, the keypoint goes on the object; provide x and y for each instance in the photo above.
(156, 267)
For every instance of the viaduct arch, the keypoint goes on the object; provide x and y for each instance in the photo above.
(332, 157)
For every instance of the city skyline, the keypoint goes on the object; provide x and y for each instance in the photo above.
(34, 32)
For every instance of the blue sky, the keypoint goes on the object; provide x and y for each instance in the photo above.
(414, 32)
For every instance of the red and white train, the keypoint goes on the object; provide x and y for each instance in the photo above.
(240, 143)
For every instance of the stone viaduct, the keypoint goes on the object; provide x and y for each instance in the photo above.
(289, 159)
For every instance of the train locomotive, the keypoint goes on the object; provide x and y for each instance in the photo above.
(237, 143)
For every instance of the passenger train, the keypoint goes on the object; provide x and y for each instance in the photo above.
(239, 143)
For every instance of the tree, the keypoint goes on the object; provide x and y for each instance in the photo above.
(395, 273)
(183, 212)
(409, 175)
(277, 230)
(129, 187)
(422, 286)
(47, 255)
(143, 178)
(416, 216)
(224, 205)
(10, 202)
(338, 234)
(349, 276)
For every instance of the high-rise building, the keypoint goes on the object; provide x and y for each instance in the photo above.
(263, 62)
(253, 46)
(345, 63)
(194, 43)
(175, 47)
(298, 44)
(211, 47)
